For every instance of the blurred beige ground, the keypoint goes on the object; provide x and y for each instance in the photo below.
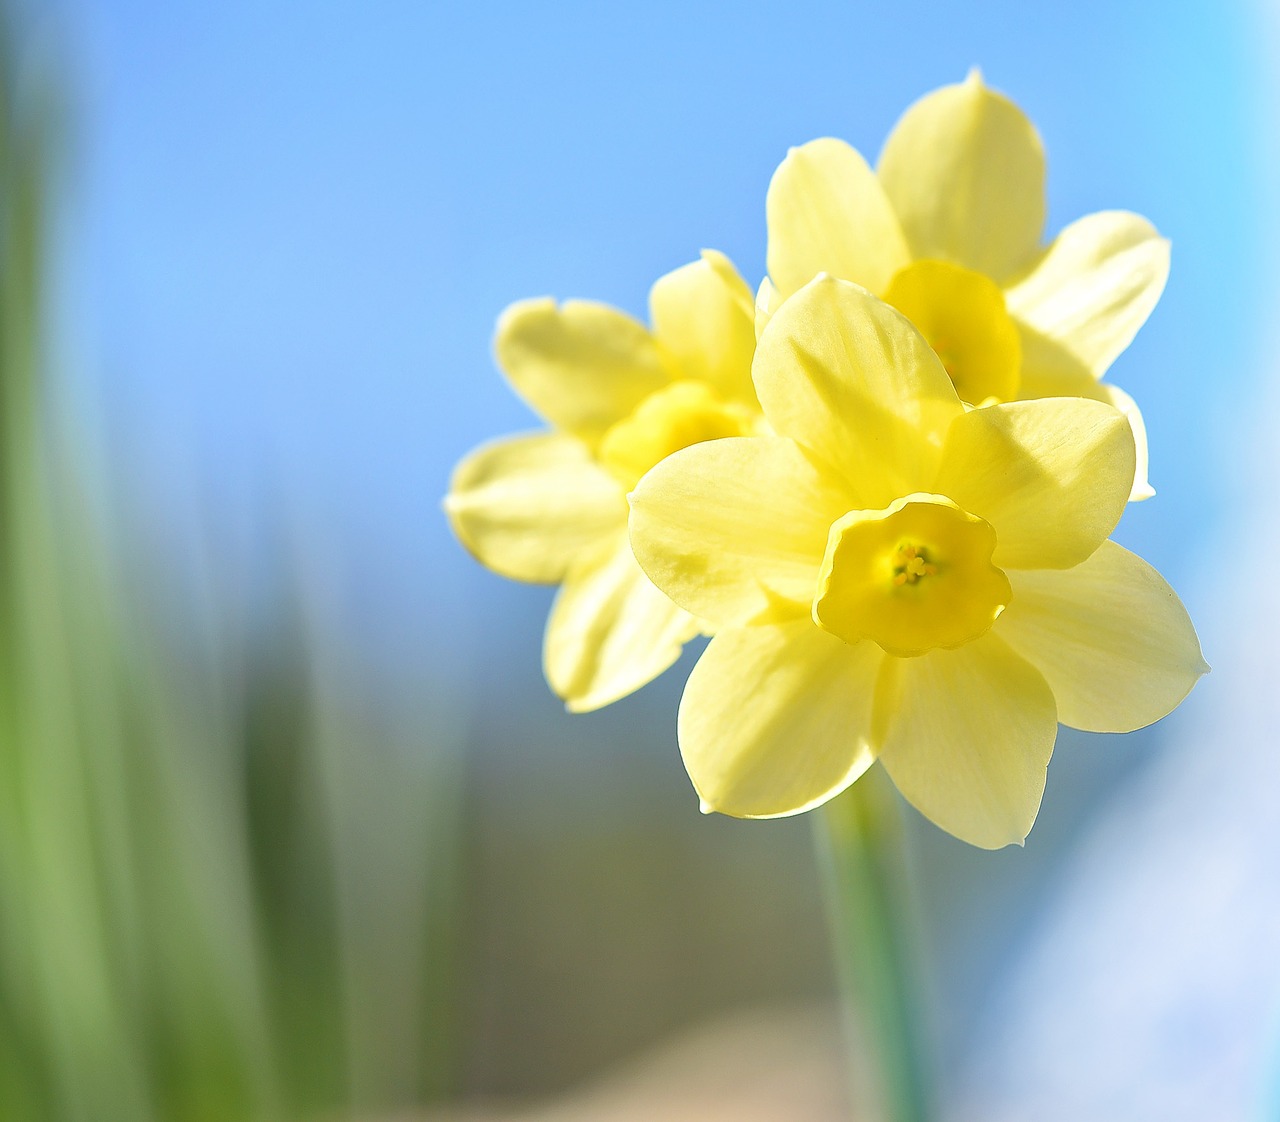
(770, 1065)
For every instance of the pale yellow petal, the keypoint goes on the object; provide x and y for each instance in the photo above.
(528, 506)
(827, 213)
(967, 738)
(1050, 370)
(704, 316)
(610, 631)
(1051, 374)
(727, 526)
(776, 719)
(581, 365)
(1110, 637)
(1142, 488)
(964, 169)
(767, 300)
(1096, 285)
(852, 381)
(1052, 476)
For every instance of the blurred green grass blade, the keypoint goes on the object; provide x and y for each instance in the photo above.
(225, 882)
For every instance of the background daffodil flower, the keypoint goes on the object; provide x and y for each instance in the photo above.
(948, 229)
(551, 507)
(894, 577)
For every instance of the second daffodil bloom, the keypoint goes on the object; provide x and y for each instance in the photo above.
(896, 577)
(551, 507)
(948, 228)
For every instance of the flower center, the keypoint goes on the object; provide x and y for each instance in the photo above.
(910, 563)
(962, 315)
(678, 415)
(912, 577)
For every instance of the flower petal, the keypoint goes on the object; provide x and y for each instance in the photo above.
(1142, 488)
(968, 736)
(767, 300)
(527, 506)
(1052, 476)
(582, 365)
(610, 631)
(827, 213)
(852, 381)
(964, 169)
(776, 718)
(1095, 286)
(1110, 636)
(727, 526)
(1048, 371)
(704, 315)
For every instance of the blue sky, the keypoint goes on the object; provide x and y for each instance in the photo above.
(294, 224)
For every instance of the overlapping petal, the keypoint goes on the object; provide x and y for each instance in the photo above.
(582, 366)
(964, 169)
(1053, 373)
(704, 316)
(1050, 370)
(967, 740)
(1095, 287)
(526, 506)
(768, 299)
(1142, 488)
(827, 213)
(727, 526)
(1110, 636)
(776, 718)
(610, 631)
(1052, 476)
(849, 379)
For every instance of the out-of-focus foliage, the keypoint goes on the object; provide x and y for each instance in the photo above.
(194, 921)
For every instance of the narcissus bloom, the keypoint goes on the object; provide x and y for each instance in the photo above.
(948, 229)
(894, 576)
(551, 507)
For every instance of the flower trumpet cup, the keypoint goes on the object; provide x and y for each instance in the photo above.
(948, 228)
(893, 575)
(550, 507)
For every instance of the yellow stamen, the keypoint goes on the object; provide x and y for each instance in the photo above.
(910, 563)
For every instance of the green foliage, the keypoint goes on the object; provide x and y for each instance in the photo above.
(221, 881)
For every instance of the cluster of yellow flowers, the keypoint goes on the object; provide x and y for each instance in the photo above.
(884, 485)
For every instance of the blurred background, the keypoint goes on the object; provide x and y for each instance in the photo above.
(290, 825)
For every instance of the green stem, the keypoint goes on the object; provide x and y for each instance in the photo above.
(859, 843)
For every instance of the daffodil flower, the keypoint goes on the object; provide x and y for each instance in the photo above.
(948, 229)
(551, 507)
(895, 576)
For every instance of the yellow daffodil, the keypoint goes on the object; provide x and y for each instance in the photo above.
(551, 507)
(948, 229)
(895, 576)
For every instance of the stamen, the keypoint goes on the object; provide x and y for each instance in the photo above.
(910, 563)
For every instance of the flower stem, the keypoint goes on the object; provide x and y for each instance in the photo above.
(859, 843)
